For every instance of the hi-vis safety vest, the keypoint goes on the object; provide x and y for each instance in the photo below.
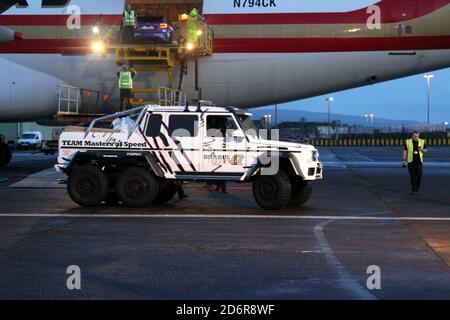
(125, 80)
(129, 20)
(192, 26)
(410, 146)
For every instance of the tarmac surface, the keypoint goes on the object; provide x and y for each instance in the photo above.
(222, 246)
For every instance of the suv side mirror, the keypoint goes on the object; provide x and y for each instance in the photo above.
(238, 134)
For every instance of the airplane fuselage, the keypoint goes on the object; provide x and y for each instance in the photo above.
(274, 52)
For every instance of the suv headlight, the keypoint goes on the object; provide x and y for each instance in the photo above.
(315, 156)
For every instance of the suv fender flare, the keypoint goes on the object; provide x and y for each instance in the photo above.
(285, 159)
(111, 156)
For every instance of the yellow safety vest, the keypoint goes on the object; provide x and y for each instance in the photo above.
(125, 80)
(130, 19)
(410, 147)
(192, 26)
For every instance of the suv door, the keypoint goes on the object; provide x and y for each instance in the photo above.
(224, 147)
(183, 133)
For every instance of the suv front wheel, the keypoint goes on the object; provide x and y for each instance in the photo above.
(272, 192)
(301, 193)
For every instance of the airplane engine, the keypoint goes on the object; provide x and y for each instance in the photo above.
(8, 35)
(26, 94)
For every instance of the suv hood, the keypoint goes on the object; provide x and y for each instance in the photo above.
(284, 144)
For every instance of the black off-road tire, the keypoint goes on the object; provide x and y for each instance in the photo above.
(272, 192)
(301, 193)
(88, 186)
(5, 154)
(136, 187)
(2, 155)
(167, 190)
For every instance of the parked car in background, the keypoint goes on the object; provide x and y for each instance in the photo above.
(155, 29)
(30, 140)
(51, 146)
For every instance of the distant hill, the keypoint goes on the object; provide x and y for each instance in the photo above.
(289, 115)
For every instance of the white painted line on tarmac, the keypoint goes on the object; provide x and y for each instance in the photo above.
(219, 216)
(345, 278)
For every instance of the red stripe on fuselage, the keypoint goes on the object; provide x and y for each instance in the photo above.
(299, 45)
(47, 46)
(391, 11)
(259, 45)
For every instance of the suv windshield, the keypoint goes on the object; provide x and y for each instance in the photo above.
(149, 19)
(248, 126)
(28, 136)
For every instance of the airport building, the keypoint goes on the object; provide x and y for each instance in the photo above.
(12, 131)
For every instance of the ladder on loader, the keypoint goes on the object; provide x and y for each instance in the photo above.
(168, 59)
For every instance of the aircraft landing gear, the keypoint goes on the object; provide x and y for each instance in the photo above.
(5, 152)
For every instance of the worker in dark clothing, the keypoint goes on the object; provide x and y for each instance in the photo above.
(221, 186)
(180, 190)
(126, 75)
(128, 25)
(413, 158)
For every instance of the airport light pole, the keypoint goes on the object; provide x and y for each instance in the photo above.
(267, 120)
(330, 101)
(367, 122)
(372, 119)
(428, 77)
(276, 116)
(445, 124)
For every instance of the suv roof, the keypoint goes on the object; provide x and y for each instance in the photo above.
(208, 109)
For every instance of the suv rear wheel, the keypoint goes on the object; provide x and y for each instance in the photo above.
(167, 191)
(136, 187)
(272, 192)
(88, 186)
(301, 193)
(5, 154)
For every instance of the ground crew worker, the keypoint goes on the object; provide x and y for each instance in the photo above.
(413, 156)
(126, 75)
(193, 26)
(129, 25)
(180, 190)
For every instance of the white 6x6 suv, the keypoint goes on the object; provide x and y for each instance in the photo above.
(149, 149)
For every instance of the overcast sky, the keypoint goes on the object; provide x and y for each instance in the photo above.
(403, 99)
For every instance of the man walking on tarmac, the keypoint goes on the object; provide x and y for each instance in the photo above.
(129, 25)
(126, 75)
(413, 155)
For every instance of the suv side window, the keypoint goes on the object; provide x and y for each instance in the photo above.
(183, 126)
(154, 125)
(219, 126)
